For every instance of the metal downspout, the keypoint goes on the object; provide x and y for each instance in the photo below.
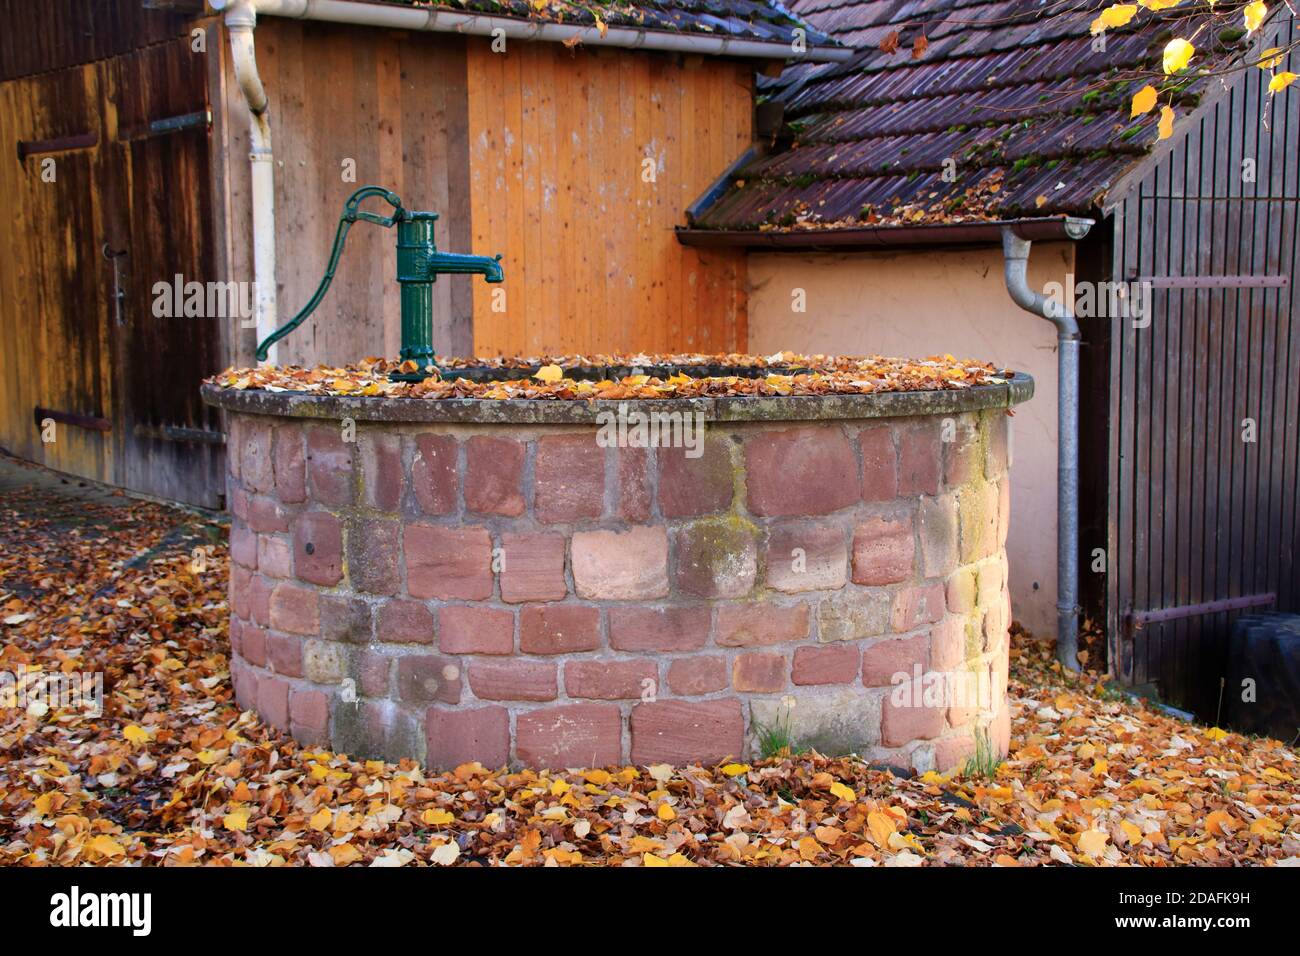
(241, 20)
(1015, 253)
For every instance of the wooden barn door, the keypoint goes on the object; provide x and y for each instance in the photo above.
(1203, 520)
(57, 401)
(160, 230)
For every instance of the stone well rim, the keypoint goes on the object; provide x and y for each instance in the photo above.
(1018, 388)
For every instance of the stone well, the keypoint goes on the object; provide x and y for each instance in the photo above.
(496, 581)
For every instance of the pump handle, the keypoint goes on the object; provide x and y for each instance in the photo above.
(352, 212)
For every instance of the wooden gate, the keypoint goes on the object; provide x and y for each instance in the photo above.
(108, 168)
(1203, 400)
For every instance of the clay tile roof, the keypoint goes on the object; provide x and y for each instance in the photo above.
(758, 20)
(1031, 119)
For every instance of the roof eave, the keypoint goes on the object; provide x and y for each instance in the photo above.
(858, 238)
(439, 20)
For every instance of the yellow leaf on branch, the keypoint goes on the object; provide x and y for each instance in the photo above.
(1155, 5)
(1144, 100)
(1280, 82)
(1178, 53)
(1116, 15)
(1271, 58)
(1166, 122)
(1254, 14)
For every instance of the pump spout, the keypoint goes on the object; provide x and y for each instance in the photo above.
(450, 263)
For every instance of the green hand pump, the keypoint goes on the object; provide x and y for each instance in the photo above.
(419, 263)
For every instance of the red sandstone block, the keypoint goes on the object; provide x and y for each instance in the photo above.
(961, 591)
(252, 644)
(696, 486)
(903, 723)
(309, 716)
(610, 680)
(831, 664)
(884, 551)
(284, 653)
(512, 680)
(455, 737)
(800, 471)
(569, 480)
(879, 463)
(997, 450)
(920, 457)
(404, 622)
(715, 558)
(806, 558)
(290, 464)
(373, 673)
(244, 679)
(345, 619)
(381, 469)
(627, 565)
(235, 630)
(558, 629)
(373, 550)
(948, 643)
(633, 484)
(294, 609)
(577, 735)
(680, 732)
(936, 521)
(963, 458)
(494, 476)
(692, 676)
(256, 464)
(243, 546)
(259, 599)
(433, 474)
(234, 442)
(275, 556)
(952, 752)
(475, 630)
(759, 624)
(422, 677)
(917, 606)
(329, 466)
(448, 563)
(658, 629)
(758, 673)
(883, 660)
(241, 582)
(318, 548)
(266, 516)
(236, 500)
(532, 567)
(273, 701)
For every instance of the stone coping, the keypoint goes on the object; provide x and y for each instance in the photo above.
(1019, 388)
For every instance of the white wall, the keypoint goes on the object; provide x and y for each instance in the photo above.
(931, 302)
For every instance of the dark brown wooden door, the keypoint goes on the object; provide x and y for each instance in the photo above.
(160, 230)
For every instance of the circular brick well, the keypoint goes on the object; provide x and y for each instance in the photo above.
(464, 580)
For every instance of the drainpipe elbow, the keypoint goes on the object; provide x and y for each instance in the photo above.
(1015, 266)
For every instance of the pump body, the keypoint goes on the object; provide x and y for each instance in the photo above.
(419, 263)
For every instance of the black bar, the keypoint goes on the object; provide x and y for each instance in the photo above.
(60, 144)
(91, 422)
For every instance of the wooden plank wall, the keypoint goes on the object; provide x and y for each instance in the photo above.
(557, 139)
(394, 103)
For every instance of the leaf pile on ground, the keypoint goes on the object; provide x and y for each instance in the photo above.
(172, 773)
(570, 377)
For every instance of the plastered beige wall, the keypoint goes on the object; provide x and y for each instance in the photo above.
(931, 302)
